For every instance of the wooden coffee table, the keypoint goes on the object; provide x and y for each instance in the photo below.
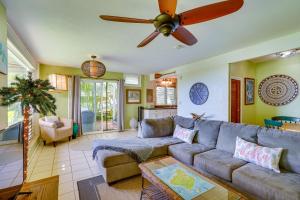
(160, 190)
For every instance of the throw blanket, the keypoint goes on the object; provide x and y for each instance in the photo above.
(138, 149)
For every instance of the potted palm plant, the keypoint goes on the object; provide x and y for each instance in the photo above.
(33, 95)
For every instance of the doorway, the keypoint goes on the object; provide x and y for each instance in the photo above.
(235, 101)
(99, 105)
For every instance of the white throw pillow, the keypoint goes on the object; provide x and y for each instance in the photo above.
(263, 156)
(51, 119)
(186, 135)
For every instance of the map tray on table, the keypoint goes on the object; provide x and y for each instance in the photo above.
(214, 189)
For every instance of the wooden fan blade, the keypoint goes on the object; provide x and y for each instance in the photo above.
(184, 36)
(125, 19)
(151, 37)
(168, 6)
(210, 12)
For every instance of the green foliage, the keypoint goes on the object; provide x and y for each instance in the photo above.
(31, 93)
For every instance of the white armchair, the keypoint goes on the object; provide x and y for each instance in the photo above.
(50, 132)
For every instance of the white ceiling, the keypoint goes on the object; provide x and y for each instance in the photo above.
(67, 32)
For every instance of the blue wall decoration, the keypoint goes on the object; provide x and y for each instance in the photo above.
(199, 93)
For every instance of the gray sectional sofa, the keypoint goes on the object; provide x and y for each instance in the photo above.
(212, 154)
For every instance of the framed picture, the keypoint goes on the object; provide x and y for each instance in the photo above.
(249, 91)
(3, 58)
(133, 96)
(150, 96)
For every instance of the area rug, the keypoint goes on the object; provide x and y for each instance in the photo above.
(88, 188)
(130, 189)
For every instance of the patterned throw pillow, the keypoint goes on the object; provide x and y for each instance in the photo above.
(263, 156)
(186, 135)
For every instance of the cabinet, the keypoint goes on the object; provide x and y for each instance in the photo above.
(158, 113)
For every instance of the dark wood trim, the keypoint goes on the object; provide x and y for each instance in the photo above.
(134, 90)
(245, 93)
(10, 192)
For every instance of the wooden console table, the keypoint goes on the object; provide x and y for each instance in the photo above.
(44, 189)
(291, 127)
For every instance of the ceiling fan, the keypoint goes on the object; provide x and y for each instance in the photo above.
(169, 23)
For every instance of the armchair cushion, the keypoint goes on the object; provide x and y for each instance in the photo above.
(59, 124)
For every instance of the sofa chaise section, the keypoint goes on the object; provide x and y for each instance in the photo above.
(118, 165)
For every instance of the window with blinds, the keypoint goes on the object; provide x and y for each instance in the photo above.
(165, 96)
(132, 80)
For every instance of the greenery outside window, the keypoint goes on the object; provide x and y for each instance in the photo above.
(14, 69)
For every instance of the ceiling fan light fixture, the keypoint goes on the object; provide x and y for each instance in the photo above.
(169, 23)
(93, 68)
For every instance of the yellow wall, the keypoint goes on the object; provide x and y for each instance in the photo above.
(255, 114)
(3, 78)
(241, 71)
(130, 110)
(288, 66)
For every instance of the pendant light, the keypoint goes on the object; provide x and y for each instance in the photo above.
(93, 68)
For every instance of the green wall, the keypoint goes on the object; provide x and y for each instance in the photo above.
(130, 110)
(3, 78)
(255, 114)
(288, 66)
(241, 71)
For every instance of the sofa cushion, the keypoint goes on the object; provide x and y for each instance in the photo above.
(185, 152)
(289, 141)
(152, 128)
(267, 184)
(218, 163)
(208, 131)
(229, 132)
(184, 122)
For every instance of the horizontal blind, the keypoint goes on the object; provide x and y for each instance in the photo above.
(165, 96)
(160, 96)
(171, 96)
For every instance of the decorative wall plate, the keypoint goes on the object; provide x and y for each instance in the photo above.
(199, 93)
(278, 90)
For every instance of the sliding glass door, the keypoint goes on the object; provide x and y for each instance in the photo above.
(99, 105)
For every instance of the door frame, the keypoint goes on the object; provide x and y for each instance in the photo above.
(241, 96)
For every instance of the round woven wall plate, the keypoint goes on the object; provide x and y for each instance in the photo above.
(278, 90)
(199, 93)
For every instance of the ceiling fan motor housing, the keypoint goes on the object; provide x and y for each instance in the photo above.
(166, 24)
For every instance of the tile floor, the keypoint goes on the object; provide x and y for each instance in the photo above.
(70, 164)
